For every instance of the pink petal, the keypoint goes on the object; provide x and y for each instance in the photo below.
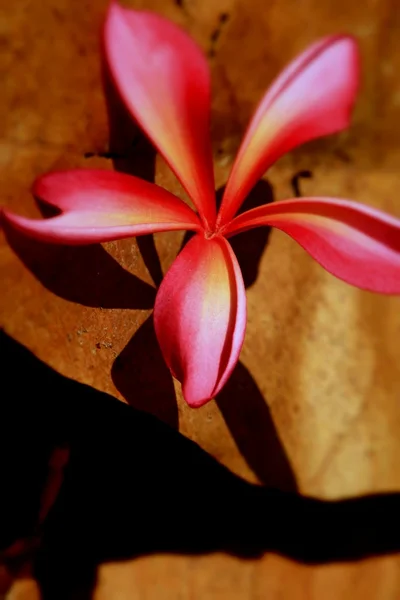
(164, 80)
(313, 97)
(357, 243)
(200, 317)
(99, 206)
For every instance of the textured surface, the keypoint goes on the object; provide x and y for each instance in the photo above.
(316, 397)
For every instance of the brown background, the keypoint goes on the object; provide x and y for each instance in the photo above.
(321, 360)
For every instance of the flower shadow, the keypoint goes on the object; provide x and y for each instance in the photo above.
(249, 420)
(141, 377)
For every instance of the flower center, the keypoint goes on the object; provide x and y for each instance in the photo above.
(209, 234)
(211, 231)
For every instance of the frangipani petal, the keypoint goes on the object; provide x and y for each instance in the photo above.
(313, 97)
(100, 206)
(357, 243)
(164, 80)
(200, 317)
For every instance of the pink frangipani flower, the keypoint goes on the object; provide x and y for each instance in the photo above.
(200, 310)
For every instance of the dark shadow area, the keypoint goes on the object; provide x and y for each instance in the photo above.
(249, 420)
(250, 245)
(150, 257)
(85, 274)
(135, 486)
(140, 374)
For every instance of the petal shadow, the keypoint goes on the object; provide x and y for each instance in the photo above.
(131, 153)
(88, 274)
(250, 245)
(85, 274)
(140, 374)
(249, 420)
